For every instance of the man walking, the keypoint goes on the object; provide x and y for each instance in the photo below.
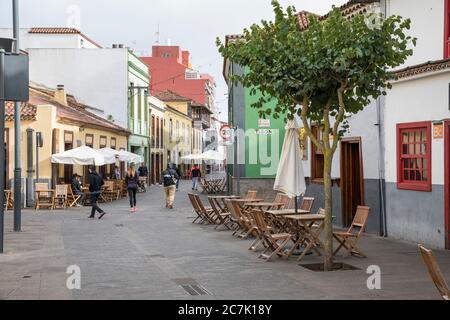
(195, 175)
(177, 170)
(95, 186)
(143, 171)
(169, 178)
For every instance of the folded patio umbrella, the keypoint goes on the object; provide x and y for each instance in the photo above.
(83, 155)
(290, 178)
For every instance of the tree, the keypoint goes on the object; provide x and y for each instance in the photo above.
(325, 73)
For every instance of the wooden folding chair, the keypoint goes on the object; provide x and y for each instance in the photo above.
(435, 272)
(307, 204)
(43, 199)
(245, 220)
(349, 239)
(251, 194)
(207, 212)
(221, 216)
(275, 242)
(72, 198)
(235, 218)
(9, 200)
(109, 194)
(61, 192)
(199, 213)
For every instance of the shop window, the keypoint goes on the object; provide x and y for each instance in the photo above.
(414, 156)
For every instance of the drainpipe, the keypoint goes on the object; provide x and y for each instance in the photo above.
(381, 180)
(2, 150)
(30, 170)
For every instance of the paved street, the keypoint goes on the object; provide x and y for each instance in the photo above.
(152, 254)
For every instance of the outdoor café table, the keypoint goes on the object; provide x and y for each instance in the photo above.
(218, 199)
(213, 185)
(276, 215)
(244, 202)
(302, 226)
(264, 206)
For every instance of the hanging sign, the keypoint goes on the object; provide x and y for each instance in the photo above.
(438, 131)
(264, 123)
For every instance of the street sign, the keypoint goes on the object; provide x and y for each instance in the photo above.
(15, 76)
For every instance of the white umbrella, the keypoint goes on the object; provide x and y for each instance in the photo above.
(212, 155)
(126, 156)
(83, 155)
(290, 178)
(191, 157)
(110, 154)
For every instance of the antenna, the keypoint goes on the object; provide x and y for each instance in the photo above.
(157, 35)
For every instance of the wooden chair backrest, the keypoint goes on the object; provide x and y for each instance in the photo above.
(321, 211)
(231, 209)
(435, 272)
(199, 203)
(360, 219)
(260, 221)
(212, 202)
(251, 194)
(109, 185)
(61, 191)
(307, 204)
(193, 201)
(70, 191)
(38, 186)
(278, 198)
(235, 209)
(290, 203)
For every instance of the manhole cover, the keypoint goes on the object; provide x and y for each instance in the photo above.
(338, 266)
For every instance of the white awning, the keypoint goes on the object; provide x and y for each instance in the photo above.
(83, 155)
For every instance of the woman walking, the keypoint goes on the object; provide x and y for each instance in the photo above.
(132, 180)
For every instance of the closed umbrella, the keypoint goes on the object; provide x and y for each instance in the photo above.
(290, 178)
(83, 155)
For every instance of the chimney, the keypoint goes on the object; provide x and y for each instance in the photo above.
(186, 58)
(114, 46)
(60, 95)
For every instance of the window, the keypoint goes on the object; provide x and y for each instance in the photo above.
(89, 140)
(103, 141)
(162, 132)
(317, 158)
(447, 30)
(113, 143)
(153, 131)
(157, 133)
(170, 129)
(414, 156)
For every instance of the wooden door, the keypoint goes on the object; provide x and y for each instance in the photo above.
(447, 184)
(152, 169)
(6, 146)
(158, 168)
(352, 178)
(68, 168)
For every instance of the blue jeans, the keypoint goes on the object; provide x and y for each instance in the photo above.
(194, 183)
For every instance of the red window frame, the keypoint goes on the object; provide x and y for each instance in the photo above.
(447, 30)
(402, 183)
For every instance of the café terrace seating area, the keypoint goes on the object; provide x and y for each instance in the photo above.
(276, 227)
(63, 197)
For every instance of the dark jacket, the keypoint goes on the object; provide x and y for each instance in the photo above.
(195, 172)
(168, 176)
(143, 171)
(132, 181)
(95, 182)
(76, 185)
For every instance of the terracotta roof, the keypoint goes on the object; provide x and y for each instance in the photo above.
(74, 112)
(428, 67)
(171, 96)
(62, 31)
(27, 111)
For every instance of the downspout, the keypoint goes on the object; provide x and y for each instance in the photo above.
(381, 163)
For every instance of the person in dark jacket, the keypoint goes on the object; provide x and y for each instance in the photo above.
(175, 167)
(132, 180)
(76, 189)
(169, 178)
(95, 188)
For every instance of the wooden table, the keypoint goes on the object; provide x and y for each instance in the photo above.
(264, 206)
(220, 201)
(307, 230)
(286, 212)
(50, 197)
(213, 186)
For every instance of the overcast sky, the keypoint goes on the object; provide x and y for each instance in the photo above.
(192, 24)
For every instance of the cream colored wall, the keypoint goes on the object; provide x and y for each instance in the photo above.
(185, 146)
(179, 106)
(45, 123)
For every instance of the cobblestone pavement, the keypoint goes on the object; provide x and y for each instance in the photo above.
(157, 253)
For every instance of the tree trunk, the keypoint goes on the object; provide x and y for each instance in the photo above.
(328, 259)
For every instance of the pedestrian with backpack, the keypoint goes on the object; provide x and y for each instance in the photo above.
(132, 183)
(169, 178)
(95, 188)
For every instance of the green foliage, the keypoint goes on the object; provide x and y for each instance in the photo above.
(336, 54)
